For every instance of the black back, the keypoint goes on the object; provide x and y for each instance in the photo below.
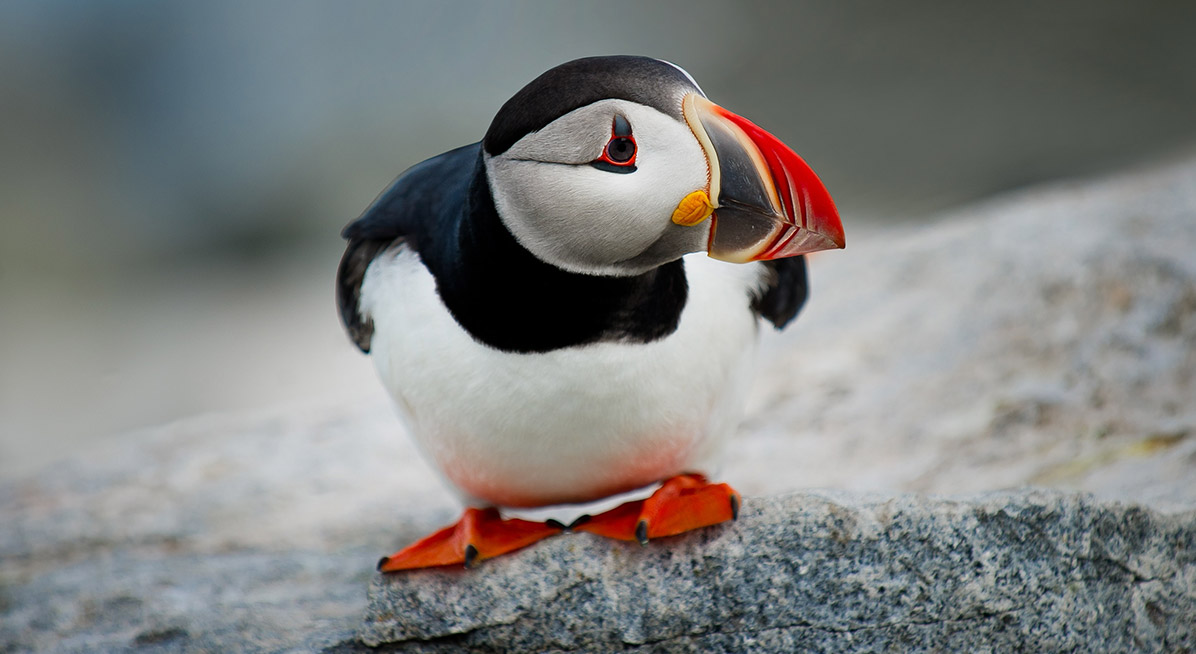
(415, 205)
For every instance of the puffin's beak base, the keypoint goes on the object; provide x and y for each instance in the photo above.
(767, 202)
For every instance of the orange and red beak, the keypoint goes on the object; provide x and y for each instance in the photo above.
(767, 203)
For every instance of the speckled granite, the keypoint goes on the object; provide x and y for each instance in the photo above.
(1031, 571)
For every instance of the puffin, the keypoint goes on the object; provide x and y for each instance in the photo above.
(567, 310)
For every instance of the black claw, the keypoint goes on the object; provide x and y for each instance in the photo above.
(581, 520)
(471, 555)
(641, 532)
(734, 507)
(383, 561)
(555, 524)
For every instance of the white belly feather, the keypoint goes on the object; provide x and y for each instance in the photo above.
(571, 425)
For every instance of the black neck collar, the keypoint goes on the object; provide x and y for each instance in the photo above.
(510, 300)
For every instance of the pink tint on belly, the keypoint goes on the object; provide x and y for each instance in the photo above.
(659, 459)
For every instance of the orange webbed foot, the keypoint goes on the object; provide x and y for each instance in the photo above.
(479, 534)
(683, 503)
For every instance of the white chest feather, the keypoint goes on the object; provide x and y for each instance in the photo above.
(571, 425)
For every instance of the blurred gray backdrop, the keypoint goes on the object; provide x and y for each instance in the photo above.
(174, 175)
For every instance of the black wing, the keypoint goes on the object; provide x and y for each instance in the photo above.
(785, 293)
(409, 210)
(349, 275)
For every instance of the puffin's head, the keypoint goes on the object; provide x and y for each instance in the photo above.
(612, 165)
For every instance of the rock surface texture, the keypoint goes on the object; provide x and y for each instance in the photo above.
(1040, 339)
(1033, 571)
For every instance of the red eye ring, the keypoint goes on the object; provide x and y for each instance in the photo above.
(621, 150)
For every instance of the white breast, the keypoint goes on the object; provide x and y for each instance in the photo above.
(571, 425)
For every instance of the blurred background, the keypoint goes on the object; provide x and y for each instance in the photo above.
(173, 176)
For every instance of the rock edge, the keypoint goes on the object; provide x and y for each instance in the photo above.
(1032, 570)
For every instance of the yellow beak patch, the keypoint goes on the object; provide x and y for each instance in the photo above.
(693, 209)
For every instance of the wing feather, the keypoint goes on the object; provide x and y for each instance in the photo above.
(785, 291)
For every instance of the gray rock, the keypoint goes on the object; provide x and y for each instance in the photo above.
(1031, 571)
(147, 600)
(1041, 339)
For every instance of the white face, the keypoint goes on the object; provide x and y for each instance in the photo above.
(586, 219)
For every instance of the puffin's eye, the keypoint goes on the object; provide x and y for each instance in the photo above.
(620, 149)
(619, 154)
